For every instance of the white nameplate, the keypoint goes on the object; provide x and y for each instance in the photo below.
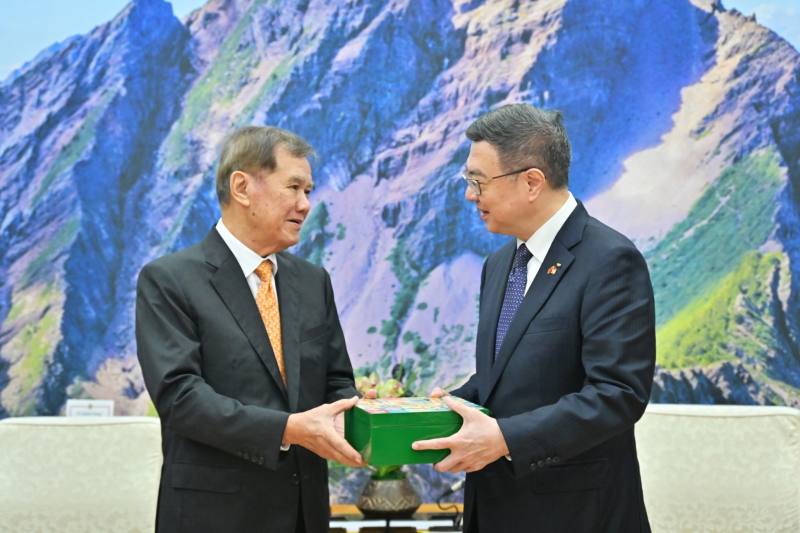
(90, 407)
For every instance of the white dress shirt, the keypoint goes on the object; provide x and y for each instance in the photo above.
(248, 260)
(539, 243)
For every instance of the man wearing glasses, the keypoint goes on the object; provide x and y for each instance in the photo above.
(565, 350)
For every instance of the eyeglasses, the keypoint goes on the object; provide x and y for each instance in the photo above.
(475, 185)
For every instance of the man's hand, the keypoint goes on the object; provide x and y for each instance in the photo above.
(478, 442)
(371, 394)
(438, 392)
(316, 430)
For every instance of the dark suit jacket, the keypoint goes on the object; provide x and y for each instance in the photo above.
(572, 377)
(210, 370)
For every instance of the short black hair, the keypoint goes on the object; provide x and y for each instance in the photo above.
(526, 135)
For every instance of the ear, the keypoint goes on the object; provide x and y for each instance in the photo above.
(239, 181)
(534, 181)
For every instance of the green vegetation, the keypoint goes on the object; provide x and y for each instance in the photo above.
(278, 75)
(735, 215)
(726, 324)
(703, 132)
(31, 300)
(419, 376)
(410, 278)
(314, 235)
(176, 226)
(74, 149)
(34, 319)
(340, 231)
(52, 249)
(219, 85)
(37, 341)
(151, 409)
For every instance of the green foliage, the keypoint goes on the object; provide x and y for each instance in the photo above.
(387, 472)
(340, 231)
(727, 323)
(314, 235)
(38, 342)
(219, 85)
(52, 249)
(410, 278)
(151, 409)
(74, 149)
(420, 375)
(735, 215)
(268, 89)
(177, 225)
(31, 300)
(33, 324)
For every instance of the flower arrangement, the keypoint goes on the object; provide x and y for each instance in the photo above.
(387, 493)
(387, 388)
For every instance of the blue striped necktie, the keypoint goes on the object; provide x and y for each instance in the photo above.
(515, 292)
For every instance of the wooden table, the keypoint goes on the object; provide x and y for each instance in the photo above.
(426, 511)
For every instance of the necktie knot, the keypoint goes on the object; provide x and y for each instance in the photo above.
(522, 256)
(264, 271)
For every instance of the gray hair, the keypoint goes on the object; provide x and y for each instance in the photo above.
(252, 148)
(526, 135)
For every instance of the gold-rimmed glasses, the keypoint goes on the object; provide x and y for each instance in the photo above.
(475, 185)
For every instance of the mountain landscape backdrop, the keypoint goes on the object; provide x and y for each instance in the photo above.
(684, 119)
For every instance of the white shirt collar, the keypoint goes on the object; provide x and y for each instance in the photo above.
(539, 243)
(248, 260)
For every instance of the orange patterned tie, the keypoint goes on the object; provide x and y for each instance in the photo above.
(270, 314)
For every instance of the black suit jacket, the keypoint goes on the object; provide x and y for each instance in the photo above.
(572, 377)
(211, 372)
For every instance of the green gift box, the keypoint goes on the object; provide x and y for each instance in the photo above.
(382, 430)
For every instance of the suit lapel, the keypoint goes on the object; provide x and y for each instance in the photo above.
(494, 288)
(288, 285)
(231, 285)
(540, 290)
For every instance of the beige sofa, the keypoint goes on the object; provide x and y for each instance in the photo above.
(705, 468)
(723, 468)
(86, 474)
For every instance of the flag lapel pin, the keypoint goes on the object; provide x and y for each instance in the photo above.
(553, 269)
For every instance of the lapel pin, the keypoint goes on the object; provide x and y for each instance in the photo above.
(553, 269)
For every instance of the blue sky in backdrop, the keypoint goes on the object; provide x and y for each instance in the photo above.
(29, 26)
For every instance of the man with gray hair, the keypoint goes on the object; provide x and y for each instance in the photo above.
(565, 350)
(244, 357)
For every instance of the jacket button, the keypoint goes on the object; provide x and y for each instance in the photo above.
(533, 466)
(549, 460)
(540, 463)
(295, 479)
(556, 459)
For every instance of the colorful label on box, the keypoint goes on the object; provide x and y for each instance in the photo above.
(408, 405)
